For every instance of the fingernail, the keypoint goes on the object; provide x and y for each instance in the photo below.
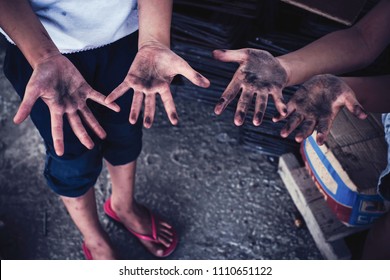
(360, 112)
(258, 118)
(298, 138)
(215, 52)
(174, 118)
(285, 111)
(199, 76)
(241, 116)
(276, 117)
(221, 101)
(320, 139)
(148, 121)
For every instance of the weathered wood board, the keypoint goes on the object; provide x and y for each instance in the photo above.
(327, 231)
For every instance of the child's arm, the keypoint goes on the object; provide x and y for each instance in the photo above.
(18, 20)
(155, 64)
(55, 79)
(260, 74)
(342, 51)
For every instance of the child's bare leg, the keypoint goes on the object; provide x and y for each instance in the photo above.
(132, 214)
(83, 212)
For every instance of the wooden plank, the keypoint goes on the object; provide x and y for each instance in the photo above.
(326, 229)
(345, 11)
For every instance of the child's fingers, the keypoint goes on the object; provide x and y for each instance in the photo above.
(169, 105)
(101, 99)
(25, 108)
(230, 55)
(242, 107)
(150, 109)
(117, 92)
(136, 106)
(57, 133)
(305, 130)
(228, 95)
(260, 106)
(292, 123)
(195, 77)
(92, 122)
(355, 107)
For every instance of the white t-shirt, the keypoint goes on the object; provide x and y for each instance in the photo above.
(77, 25)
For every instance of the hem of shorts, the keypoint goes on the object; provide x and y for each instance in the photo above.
(81, 193)
(125, 161)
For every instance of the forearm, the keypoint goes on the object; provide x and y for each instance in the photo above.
(341, 51)
(335, 53)
(372, 92)
(154, 21)
(18, 20)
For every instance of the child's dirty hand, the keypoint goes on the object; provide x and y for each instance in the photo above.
(315, 106)
(259, 74)
(61, 86)
(151, 74)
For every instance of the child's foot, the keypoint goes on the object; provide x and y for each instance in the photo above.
(99, 248)
(138, 219)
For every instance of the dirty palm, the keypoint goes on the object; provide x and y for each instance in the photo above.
(314, 105)
(151, 73)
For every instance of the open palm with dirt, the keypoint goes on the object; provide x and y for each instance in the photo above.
(151, 74)
(61, 86)
(259, 75)
(316, 104)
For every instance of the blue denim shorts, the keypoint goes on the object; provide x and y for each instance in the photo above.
(104, 69)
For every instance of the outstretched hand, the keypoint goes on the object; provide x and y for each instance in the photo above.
(61, 86)
(259, 74)
(316, 104)
(151, 74)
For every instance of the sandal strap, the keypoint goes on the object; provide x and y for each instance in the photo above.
(153, 238)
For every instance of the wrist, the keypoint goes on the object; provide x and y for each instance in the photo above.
(40, 55)
(152, 43)
(159, 39)
(285, 65)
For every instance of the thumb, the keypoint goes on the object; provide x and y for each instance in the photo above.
(25, 108)
(355, 107)
(195, 77)
(230, 55)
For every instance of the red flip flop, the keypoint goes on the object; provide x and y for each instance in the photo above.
(87, 253)
(152, 238)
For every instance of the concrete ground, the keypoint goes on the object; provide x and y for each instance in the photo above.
(225, 202)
